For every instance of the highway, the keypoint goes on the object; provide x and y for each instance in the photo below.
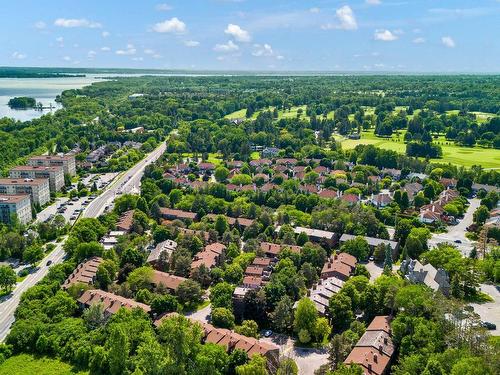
(129, 181)
(125, 183)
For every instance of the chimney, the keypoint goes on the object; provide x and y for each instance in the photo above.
(380, 347)
(385, 340)
(369, 367)
(375, 358)
(329, 265)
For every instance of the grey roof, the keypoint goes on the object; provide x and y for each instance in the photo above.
(436, 279)
(372, 241)
(169, 246)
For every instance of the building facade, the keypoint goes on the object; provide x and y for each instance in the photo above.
(37, 188)
(67, 162)
(19, 205)
(55, 175)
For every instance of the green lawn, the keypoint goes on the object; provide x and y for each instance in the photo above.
(291, 113)
(466, 156)
(24, 364)
(213, 158)
(238, 114)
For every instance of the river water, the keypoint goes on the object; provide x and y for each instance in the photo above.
(44, 90)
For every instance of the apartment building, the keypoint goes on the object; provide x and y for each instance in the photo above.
(37, 188)
(67, 162)
(19, 205)
(55, 175)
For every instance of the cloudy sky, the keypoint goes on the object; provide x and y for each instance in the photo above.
(355, 35)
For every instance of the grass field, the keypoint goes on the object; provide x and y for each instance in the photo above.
(213, 158)
(292, 113)
(24, 364)
(466, 156)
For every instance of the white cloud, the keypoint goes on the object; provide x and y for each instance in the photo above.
(346, 20)
(60, 39)
(105, 34)
(384, 35)
(40, 25)
(18, 55)
(191, 43)
(448, 41)
(373, 2)
(238, 33)
(91, 54)
(263, 50)
(173, 25)
(66, 58)
(149, 51)
(163, 7)
(137, 58)
(419, 40)
(130, 50)
(156, 56)
(314, 10)
(77, 22)
(105, 49)
(229, 47)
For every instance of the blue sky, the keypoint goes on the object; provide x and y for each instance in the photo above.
(356, 35)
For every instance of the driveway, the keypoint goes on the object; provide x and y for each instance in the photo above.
(308, 360)
(490, 311)
(457, 232)
(201, 315)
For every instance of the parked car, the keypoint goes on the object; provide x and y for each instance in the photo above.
(268, 333)
(49, 262)
(489, 326)
(458, 241)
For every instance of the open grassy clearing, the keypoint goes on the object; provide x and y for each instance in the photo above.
(291, 113)
(213, 158)
(27, 364)
(466, 156)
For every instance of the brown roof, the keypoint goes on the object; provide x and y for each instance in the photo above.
(328, 193)
(261, 262)
(36, 168)
(4, 198)
(254, 271)
(171, 282)
(209, 256)
(125, 221)
(372, 361)
(53, 157)
(232, 221)
(25, 181)
(274, 249)
(180, 214)
(83, 273)
(374, 350)
(252, 281)
(191, 232)
(334, 266)
(216, 247)
(112, 302)
(381, 323)
(351, 198)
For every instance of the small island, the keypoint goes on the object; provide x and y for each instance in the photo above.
(22, 102)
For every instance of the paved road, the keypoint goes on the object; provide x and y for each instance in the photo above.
(457, 232)
(308, 360)
(127, 182)
(490, 311)
(9, 303)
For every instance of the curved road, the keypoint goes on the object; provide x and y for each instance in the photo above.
(129, 181)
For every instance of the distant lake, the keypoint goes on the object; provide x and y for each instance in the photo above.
(44, 90)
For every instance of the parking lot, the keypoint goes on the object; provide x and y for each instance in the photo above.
(70, 209)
